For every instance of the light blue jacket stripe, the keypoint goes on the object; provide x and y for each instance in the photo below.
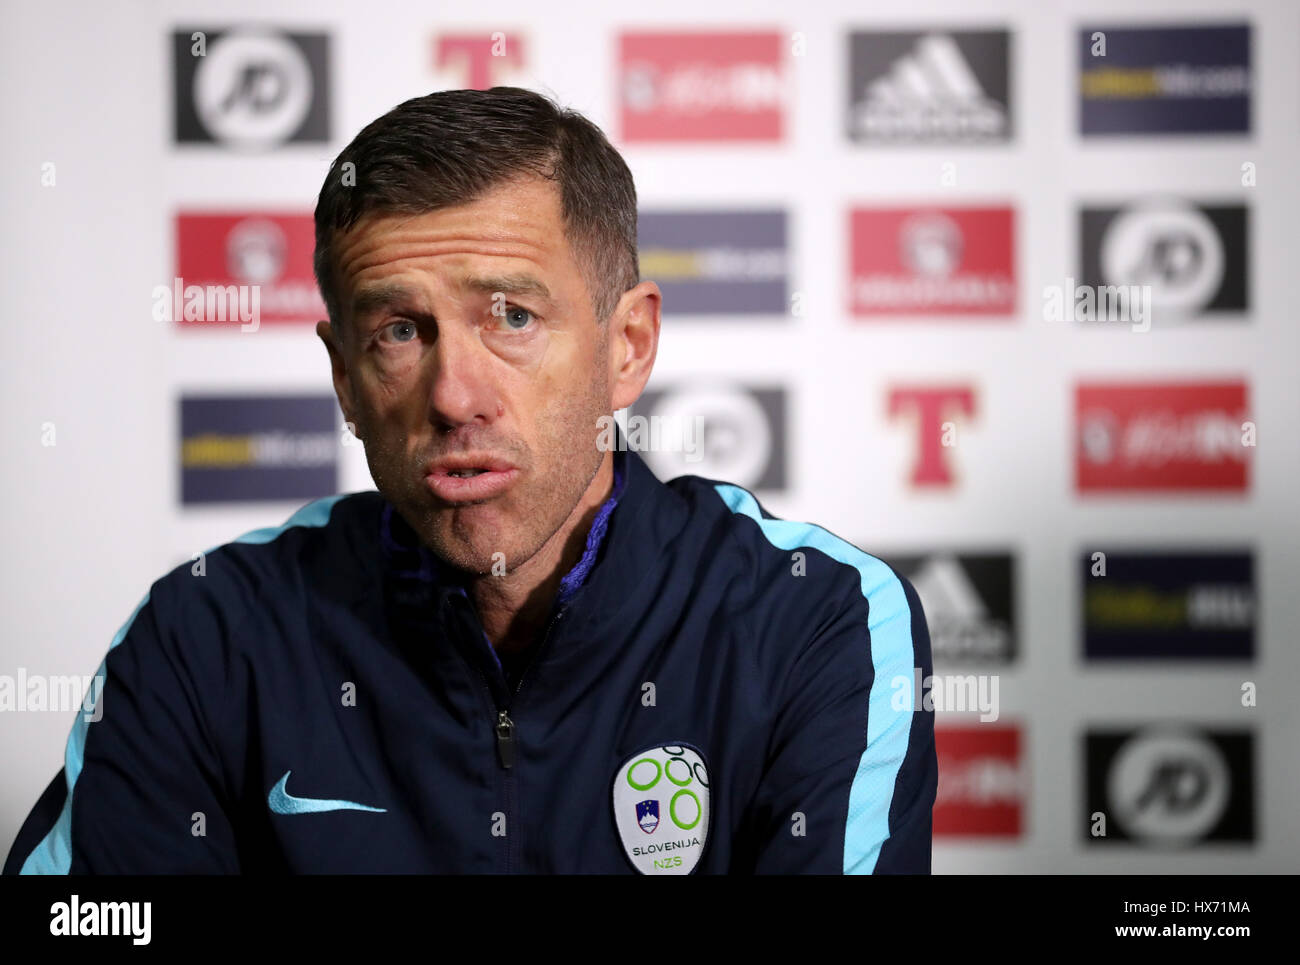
(53, 855)
(889, 622)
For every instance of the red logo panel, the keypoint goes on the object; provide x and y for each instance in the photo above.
(271, 251)
(981, 782)
(702, 87)
(932, 261)
(1171, 436)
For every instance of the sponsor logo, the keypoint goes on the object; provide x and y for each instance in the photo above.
(982, 783)
(932, 411)
(1171, 786)
(932, 261)
(258, 448)
(742, 438)
(702, 86)
(479, 61)
(271, 253)
(678, 774)
(1191, 258)
(280, 801)
(944, 87)
(1169, 605)
(251, 88)
(1165, 80)
(968, 604)
(1162, 436)
(716, 262)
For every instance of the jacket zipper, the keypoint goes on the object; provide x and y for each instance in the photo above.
(505, 739)
(505, 727)
(507, 744)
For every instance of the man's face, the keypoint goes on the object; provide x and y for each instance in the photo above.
(475, 370)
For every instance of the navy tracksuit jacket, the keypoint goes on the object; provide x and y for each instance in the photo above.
(717, 691)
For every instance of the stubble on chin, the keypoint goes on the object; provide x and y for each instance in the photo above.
(517, 526)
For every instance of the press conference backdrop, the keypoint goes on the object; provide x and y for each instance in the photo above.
(1001, 292)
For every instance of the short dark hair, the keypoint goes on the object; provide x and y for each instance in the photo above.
(451, 147)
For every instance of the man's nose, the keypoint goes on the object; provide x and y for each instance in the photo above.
(463, 391)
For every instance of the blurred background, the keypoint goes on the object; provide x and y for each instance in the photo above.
(1002, 292)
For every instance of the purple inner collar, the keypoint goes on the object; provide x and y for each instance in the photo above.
(574, 579)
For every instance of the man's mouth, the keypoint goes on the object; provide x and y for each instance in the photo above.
(469, 479)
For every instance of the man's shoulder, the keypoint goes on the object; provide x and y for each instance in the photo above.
(331, 535)
(801, 562)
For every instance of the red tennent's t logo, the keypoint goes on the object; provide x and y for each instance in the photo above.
(932, 406)
(482, 56)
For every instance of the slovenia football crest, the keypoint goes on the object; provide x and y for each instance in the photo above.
(661, 809)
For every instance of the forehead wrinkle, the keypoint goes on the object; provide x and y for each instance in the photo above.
(379, 251)
(465, 232)
(396, 243)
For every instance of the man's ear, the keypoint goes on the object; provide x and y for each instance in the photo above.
(339, 372)
(633, 342)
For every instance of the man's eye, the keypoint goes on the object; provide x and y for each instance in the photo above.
(517, 318)
(402, 331)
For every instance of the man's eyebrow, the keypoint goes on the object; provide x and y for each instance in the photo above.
(379, 296)
(508, 285)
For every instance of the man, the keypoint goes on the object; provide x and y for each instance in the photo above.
(524, 653)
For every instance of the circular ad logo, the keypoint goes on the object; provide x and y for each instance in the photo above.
(253, 90)
(1169, 786)
(736, 441)
(1169, 246)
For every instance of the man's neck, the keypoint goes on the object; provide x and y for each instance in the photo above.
(513, 607)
